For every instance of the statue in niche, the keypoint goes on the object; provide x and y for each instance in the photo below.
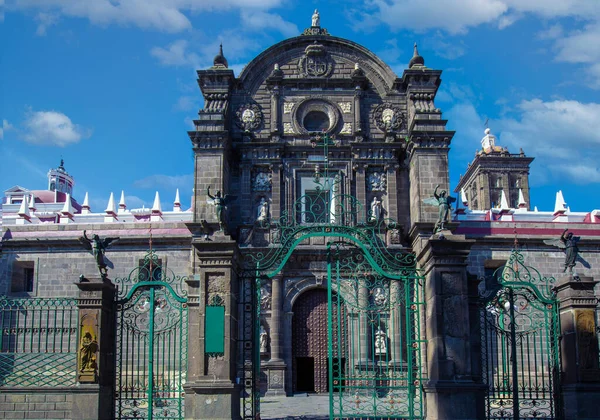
(567, 242)
(220, 202)
(380, 341)
(376, 210)
(265, 298)
(264, 338)
(262, 213)
(379, 297)
(88, 352)
(316, 19)
(443, 201)
(98, 248)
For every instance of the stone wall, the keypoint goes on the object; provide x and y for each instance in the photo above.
(36, 404)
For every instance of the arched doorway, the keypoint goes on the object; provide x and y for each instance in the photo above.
(309, 342)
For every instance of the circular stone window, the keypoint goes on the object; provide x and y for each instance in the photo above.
(315, 115)
(316, 121)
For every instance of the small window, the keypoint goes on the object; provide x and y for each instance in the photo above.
(316, 121)
(23, 277)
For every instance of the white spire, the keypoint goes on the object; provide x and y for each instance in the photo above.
(560, 206)
(110, 207)
(156, 206)
(31, 203)
(177, 202)
(522, 203)
(463, 197)
(67, 209)
(503, 201)
(85, 207)
(122, 205)
(24, 210)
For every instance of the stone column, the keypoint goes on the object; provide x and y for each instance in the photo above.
(579, 347)
(451, 391)
(275, 108)
(276, 366)
(96, 318)
(211, 391)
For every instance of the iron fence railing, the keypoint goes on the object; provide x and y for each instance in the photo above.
(38, 339)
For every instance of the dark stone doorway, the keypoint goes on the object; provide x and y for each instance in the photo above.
(309, 342)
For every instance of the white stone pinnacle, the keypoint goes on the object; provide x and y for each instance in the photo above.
(110, 207)
(122, 205)
(522, 202)
(67, 209)
(24, 209)
(177, 202)
(31, 203)
(560, 206)
(156, 206)
(503, 202)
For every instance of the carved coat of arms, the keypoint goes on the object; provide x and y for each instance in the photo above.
(315, 62)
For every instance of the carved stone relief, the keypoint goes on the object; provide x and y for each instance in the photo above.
(346, 129)
(287, 107)
(288, 128)
(586, 338)
(315, 62)
(388, 117)
(346, 107)
(262, 180)
(377, 181)
(265, 297)
(249, 117)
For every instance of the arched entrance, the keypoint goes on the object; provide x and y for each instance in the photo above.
(310, 341)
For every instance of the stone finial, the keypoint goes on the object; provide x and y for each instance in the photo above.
(66, 214)
(220, 61)
(122, 205)
(560, 206)
(463, 197)
(32, 203)
(522, 203)
(110, 207)
(85, 207)
(503, 201)
(156, 208)
(177, 202)
(416, 59)
(24, 210)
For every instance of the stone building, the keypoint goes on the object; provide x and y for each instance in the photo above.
(311, 260)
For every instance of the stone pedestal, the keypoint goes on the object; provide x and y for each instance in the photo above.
(275, 371)
(579, 347)
(211, 391)
(96, 342)
(451, 391)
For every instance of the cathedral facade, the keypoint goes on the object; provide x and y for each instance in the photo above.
(317, 143)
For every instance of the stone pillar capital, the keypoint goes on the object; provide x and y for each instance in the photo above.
(576, 292)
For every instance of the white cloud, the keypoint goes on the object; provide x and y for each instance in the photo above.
(45, 20)
(183, 182)
(259, 20)
(52, 128)
(6, 126)
(187, 103)
(560, 134)
(553, 32)
(175, 54)
(163, 15)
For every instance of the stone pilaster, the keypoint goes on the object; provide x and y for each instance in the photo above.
(276, 191)
(392, 190)
(451, 391)
(96, 325)
(361, 189)
(211, 391)
(287, 351)
(579, 347)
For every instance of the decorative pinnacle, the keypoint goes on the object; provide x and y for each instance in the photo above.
(416, 60)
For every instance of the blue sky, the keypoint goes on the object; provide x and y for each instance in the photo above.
(110, 85)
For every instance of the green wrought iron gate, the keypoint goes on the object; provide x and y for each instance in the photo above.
(520, 353)
(374, 346)
(151, 353)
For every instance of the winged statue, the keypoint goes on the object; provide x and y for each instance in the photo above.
(568, 242)
(220, 202)
(97, 246)
(444, 204)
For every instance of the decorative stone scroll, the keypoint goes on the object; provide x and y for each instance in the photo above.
(287, 107)
(388, 117)
(249, 117)
(346, 129)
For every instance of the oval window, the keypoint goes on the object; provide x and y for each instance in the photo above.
(316, 121)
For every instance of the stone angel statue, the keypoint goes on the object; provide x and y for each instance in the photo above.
(568, 242)
(97, 246)
(444, 204)
(220, 202)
